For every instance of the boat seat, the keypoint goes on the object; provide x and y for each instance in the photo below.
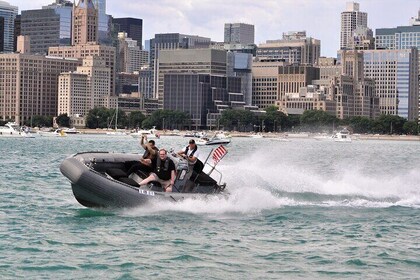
(128, 181)
(116, 173)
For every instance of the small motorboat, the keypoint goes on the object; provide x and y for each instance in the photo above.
(342, 136)
(102, 180)
(12, 129)
(55, 133)
(218, 139)
(72, 130)
(150, 133)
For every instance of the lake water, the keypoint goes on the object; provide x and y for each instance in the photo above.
(298, 209)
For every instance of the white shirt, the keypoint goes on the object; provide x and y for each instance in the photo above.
(196, 154)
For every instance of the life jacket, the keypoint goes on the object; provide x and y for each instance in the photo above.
(192, 153)
(165, 165)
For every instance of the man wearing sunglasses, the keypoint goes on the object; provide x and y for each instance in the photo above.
(163, 171)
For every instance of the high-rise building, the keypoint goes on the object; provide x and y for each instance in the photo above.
(239, 33)
(351, 19)
(42, 27)
(106, 53)
(8, 13)
(104, 22)
(85, 23)
(28, 84)
(171, 41)
(202, 96)
(294, 48)
(129, 54)
(400, 38)
(84, 38)
(64, 9)
(132, 26)
(396, 79)
(202, 61)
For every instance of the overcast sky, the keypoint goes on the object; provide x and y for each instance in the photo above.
(320, 18)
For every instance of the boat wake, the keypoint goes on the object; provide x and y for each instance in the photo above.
(260, 187)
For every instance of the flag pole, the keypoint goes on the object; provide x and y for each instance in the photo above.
(214, 166)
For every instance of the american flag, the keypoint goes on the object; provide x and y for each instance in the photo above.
(218, 154)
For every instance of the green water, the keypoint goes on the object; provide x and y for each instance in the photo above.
(298, 209)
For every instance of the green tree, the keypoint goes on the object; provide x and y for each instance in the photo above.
(42, 121)
(389, 124)
(99, 117)
(135, 119)
(168, 119)
(275, 120)
(63, 120)
(360, 124)
(411, 127)
(316, 120)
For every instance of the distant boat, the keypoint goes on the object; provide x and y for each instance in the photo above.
(55, 133)
(12, 129)
(217, 139)
(71, 130)
(150, 133)
(256, 135)
(342, 136)
(116, 132)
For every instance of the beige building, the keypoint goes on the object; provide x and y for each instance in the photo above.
(84, 89)
(29, 85)
(85, 23)
(106, 53)
(308, 98)
(73, 95)
(265, 83)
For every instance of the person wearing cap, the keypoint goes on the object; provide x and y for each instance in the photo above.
(190, 153)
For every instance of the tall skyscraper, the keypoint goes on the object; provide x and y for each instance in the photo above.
(8, 13)
(132, 26)
(85, 23)
(401, 38)
(396, 79)
(351, 19)
(104, 34)
(239, 33)
(43, 28)
(64, 9)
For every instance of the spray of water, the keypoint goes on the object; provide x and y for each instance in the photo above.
(260, 182)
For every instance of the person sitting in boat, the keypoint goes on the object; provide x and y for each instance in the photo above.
(163, 171)
(191, 153)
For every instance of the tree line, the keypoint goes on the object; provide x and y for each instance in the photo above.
(239, 120)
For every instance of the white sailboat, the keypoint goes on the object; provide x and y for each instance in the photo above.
(116, 132)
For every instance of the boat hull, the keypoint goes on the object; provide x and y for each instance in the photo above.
(97, 190)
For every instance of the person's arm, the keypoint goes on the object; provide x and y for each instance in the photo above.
(149, 149)
(172, 177)
(146, 161)
(142, 142)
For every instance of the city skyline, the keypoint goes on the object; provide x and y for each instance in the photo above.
(320, 19)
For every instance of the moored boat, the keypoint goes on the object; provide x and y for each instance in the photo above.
(12, 129)
(101, 179)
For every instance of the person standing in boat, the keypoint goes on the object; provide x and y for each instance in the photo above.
(191, 153)
(163, 171)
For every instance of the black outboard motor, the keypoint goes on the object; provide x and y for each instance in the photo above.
(181, 178)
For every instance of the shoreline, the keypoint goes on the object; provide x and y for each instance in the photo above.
(278, 135)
